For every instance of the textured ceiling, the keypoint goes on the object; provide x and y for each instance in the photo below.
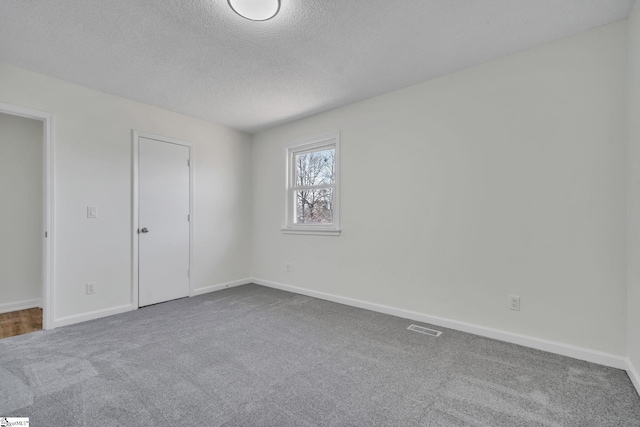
(199, 58)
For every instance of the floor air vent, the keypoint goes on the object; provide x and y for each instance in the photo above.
(424, 330)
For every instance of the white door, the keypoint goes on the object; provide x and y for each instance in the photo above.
(163, 221)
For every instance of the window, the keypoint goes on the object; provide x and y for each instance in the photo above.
(312, 187)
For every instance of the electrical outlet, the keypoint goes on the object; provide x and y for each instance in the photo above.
(288, 268)
(92, 212)
(514, 302)
(91, 288)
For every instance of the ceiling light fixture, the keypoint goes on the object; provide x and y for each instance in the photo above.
(255, 10)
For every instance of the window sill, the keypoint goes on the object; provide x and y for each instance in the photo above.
(312, 231)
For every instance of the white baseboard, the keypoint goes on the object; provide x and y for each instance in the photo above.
(77, 318)
(20, 305)
(70, 320)
(523, 340)
(633, 375)
(206, 290)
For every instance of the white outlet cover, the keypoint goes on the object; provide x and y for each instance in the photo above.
(92, 212)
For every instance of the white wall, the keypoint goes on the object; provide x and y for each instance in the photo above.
(21, 195)
(506, 178)
(93, 168)
(634, 189)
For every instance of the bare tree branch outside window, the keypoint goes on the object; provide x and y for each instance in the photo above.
(314, 183)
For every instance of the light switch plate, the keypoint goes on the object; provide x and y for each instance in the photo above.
(514, 302)
(92, 212)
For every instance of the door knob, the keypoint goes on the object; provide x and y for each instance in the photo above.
(144, 230)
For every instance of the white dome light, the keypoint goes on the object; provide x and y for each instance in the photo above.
(255, 10)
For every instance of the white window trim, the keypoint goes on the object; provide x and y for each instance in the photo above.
(312, 144)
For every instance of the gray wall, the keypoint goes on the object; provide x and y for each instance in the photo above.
(633, 155)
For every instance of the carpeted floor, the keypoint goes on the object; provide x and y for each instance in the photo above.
(254, 356)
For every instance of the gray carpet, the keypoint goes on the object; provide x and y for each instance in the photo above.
(254, 356)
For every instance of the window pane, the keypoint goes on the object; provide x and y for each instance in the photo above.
(314, 206)
(315, 168)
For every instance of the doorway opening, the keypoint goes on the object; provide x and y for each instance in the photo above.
(26, 225)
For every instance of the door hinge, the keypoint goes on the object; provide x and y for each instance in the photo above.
(46, 234)
(188, 217)
(188, 273)
(188, 163)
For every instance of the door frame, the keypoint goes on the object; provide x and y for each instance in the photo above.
(48, 218)
(136, 135)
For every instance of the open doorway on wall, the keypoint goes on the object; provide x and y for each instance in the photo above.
(24, 220)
